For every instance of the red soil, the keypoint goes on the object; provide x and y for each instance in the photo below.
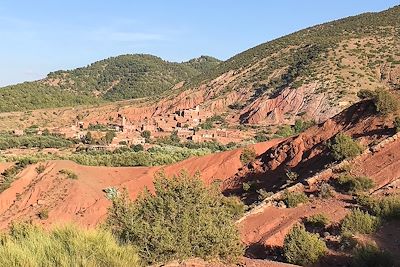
(83, 201)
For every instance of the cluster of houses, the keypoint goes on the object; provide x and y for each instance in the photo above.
(185, 123)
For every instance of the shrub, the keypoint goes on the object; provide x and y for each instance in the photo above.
(385, 102)
(397, 124)
(70, 174)
(351, 184)
(248, 155)
(246, 187)
(40, 169)
(137, 148)
(263, 194)
(325, 190)
(386, 206)
(347, 241)
(285, 131)
(182, 219)
(291, 176)
(317, 220)
(292, 199)
(365, 94)
(302, 247)
(43, 214)
(28, 245)
(371, 256)
(344, 147)
(359, 221)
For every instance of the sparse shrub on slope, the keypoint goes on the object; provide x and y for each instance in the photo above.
(248, 155)
(359, 221)
(352, 184)
(371, 256)
(28, 245)
(183, 219)
(302, 247)
(385, 206)
(344, 147)
(317, 220)
(292, 199)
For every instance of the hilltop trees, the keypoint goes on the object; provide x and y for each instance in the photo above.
(183, 219)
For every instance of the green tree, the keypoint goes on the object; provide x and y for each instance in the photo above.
(182, 219)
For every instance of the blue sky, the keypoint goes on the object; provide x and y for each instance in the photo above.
(46, 35)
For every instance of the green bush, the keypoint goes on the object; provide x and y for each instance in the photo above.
(292, 199)
(302, 247)
(28, 245)
(385, 206)
(344, 147)
(317, 220)
(248, 155)
(359, 221)
(371, 256)
(385, 102)
(352, 184)
(183, 219)
(285, 131)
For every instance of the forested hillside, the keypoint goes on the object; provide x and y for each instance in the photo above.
(116, 78)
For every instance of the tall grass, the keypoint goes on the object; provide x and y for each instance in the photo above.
(30, 246)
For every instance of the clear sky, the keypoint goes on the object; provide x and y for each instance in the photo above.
(39, 36)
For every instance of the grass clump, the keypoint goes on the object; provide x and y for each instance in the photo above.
(344, 147)
(317, 220)
(355, 184)
(370, 255)
(70, 174)
(292, 199)
(29, 245)
(359, 221)
(248, 155)
(303, 248)
(183, 219)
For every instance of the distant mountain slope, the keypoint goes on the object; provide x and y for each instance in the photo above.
(115, 78)
(313, 73)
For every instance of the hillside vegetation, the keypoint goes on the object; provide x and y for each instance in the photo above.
(115, 78)
(332, 61)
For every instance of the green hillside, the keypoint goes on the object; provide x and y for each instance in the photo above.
(116, 78)
(342, 57)
(316, 53)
